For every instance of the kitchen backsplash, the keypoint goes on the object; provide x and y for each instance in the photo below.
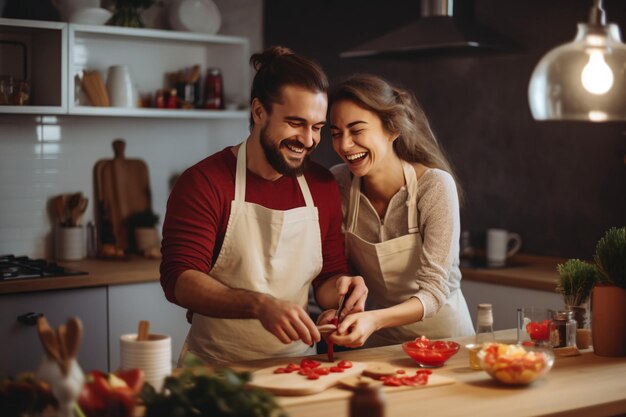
(43, 156)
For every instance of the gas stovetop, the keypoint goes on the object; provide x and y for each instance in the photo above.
(22, 267)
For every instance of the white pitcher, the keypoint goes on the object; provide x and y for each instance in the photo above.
(67, 8)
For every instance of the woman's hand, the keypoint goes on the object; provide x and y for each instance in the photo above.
(354, 330)
(354, 288)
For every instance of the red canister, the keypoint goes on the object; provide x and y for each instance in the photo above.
(213, 89)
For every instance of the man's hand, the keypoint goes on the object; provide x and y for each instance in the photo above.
(354, 288)
(355, 329)
(287, 321)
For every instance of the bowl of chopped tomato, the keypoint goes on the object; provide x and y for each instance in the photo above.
(428, 353)
(515, 364)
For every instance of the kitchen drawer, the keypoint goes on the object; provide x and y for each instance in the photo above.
(128, 304)
(21, 349)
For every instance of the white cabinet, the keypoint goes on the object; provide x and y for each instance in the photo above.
(21, 350)
(506, 300)
(128, 304)
(58, 53)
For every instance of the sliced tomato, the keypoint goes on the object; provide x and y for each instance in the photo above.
(322, 371)
(309, 363)
(313, 376)
(336, 369)
(392, 382)
(345, 364)
(280, 371)
(401, 371)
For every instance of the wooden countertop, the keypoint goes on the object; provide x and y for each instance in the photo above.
(585, 385)
(101, 273)
(526, 271)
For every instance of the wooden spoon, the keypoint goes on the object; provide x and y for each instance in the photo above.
(142, 333)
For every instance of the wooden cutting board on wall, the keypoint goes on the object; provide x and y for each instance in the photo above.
(122, 189)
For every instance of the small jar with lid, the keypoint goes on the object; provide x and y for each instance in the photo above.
(562, 329)
(367, 401)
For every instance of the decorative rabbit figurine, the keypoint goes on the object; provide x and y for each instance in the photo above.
(59, 367)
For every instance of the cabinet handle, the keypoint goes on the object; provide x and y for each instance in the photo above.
(29, 319)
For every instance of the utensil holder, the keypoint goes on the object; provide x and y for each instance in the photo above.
(70, 243)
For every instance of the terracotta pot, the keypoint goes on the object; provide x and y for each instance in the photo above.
(608, 320)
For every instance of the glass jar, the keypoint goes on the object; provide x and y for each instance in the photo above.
(563, 329)
(484, 334)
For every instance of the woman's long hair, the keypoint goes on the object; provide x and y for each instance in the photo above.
(399, 112)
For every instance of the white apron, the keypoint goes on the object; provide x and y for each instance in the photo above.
(389, 270)
(268, 251)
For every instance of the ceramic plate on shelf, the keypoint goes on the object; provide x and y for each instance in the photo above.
(195, 16)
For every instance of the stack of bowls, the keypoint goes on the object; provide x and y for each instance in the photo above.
(152, 356)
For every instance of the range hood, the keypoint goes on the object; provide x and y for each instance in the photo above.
(443, 26)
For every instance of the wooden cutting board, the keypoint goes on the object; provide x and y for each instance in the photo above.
(294, 388)
(122, 188)
(294, 384)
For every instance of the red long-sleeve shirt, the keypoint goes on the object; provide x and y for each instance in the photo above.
(198, 210)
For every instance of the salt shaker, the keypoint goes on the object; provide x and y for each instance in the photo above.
(367, 401)
(562, 329)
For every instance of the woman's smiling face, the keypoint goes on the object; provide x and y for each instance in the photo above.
(359, 138)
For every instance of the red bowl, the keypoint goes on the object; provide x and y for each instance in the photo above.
(430, 354)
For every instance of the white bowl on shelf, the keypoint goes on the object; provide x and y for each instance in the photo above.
(201, 16)
(91, 16)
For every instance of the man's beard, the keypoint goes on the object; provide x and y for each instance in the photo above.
(278, 161)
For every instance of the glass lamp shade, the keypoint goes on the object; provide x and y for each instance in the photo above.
(582, 80)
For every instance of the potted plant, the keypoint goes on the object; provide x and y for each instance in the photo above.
(143, 229)
(608, 299)
(576, 280)
(128, 13)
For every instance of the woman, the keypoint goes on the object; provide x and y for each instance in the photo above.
(400, 216)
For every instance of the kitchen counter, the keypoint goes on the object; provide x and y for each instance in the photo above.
(525, 271)
(101, 273)
(585, 385)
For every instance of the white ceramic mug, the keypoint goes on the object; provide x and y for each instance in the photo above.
(120, 87)
(152, 356)
(501, 245)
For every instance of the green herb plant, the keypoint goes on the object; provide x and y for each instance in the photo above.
(197, 391)
(128, 12)
(576, 279)
(610, 257)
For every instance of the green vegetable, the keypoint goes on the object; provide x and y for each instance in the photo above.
(610, 257)
(576, 279)
(197, 392)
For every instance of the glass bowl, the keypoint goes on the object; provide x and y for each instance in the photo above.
(430, 354)
(515, 364)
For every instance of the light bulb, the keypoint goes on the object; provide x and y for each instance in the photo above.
(597, 77)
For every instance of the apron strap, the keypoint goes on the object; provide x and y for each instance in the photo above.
(411, 202)
(240, 173)
(353, 204)
(240, 179)
(306, 193)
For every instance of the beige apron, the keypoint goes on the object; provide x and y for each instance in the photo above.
(267, 251)
(389, 270)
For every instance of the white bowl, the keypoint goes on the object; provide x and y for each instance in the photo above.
(91, 16)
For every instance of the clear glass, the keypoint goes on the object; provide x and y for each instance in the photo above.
(533, 326)
(582, 80)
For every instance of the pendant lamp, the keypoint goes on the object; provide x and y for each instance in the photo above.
(585, 79)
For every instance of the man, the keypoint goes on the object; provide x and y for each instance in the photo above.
(249, 228)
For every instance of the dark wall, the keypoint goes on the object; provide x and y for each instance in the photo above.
(559, 184)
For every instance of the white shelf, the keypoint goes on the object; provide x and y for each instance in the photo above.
(45, 46)
(58, 53)
(160, 113)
